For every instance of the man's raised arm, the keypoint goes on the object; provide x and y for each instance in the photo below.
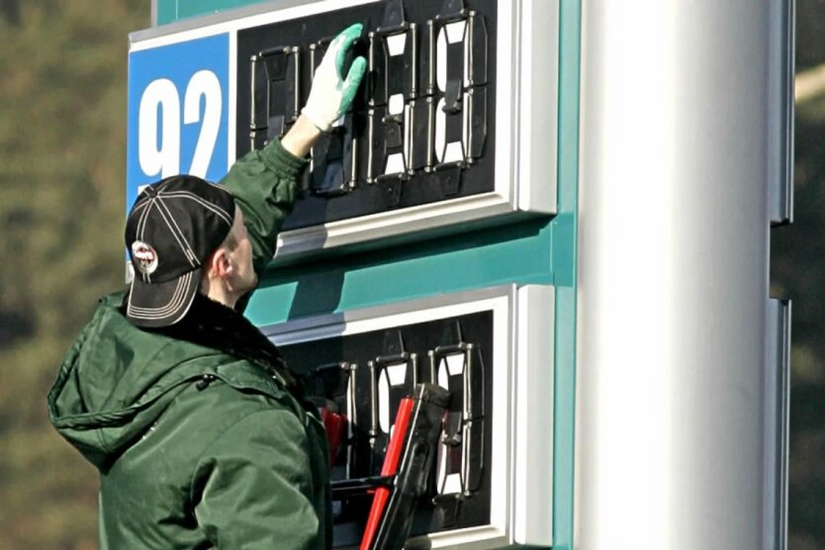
(265, 182)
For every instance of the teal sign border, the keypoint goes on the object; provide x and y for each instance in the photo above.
(172, 11)
(565, 260)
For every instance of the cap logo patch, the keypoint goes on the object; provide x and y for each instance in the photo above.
(145, 257)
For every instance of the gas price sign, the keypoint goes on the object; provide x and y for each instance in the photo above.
(442, 133)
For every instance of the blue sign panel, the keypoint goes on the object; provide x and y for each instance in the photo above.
(178, 112)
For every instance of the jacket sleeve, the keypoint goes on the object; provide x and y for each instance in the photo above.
(265, 185)
(252, 485)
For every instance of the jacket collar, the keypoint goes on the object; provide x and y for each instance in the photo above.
(214, 325)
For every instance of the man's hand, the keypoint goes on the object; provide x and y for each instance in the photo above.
(332, 94)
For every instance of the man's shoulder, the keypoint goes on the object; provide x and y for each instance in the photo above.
(198, 354)
(212, 408)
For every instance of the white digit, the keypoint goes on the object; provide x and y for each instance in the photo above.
(449, 34)
(454, 150)
(206, 84)
(441, 60)
(440, 129)
(159, 158)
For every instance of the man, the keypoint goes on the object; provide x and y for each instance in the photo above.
(197, 426)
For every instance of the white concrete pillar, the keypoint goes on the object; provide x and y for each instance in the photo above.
(673, 272)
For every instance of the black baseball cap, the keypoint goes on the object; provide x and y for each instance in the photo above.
(173, 227)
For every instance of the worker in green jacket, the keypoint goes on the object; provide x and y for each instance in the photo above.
(197, 426)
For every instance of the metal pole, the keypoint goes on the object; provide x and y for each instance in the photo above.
(673, 273)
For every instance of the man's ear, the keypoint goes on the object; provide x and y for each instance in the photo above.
(219, 263)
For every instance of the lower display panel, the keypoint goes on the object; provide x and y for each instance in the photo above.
(493, 350)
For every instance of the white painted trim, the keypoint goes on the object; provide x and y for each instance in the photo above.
(232, 97)
(538, 75)
(389, 315)
(533, 403)
(391, 224)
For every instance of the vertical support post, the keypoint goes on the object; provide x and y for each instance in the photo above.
(673, 273)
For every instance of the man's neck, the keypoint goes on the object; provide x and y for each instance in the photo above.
(219, 293)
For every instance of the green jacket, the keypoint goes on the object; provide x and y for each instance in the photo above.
(198, 447)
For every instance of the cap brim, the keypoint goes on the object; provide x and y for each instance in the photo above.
(162, 304)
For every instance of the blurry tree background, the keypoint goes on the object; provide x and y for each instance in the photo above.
(62, 168)
(798, 273)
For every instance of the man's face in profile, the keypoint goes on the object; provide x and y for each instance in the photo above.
(243, 278)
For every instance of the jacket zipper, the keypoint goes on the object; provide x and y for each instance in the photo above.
(204, 382)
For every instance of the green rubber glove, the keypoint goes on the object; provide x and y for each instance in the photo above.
(331, 94)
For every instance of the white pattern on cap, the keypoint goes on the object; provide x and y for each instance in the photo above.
(146, 257)
(206, 204)
(174, 229)
(174, 303)
(142, 228)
